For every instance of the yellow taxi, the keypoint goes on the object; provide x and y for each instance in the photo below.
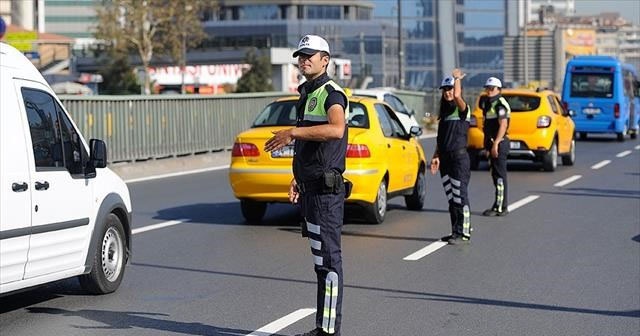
(540, 129)
(382, 160)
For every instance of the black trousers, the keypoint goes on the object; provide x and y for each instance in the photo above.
(455, 173)
(324, 215)
(498, 169)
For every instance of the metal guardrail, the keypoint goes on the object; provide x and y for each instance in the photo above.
(151, 127)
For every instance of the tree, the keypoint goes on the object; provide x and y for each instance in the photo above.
(149, 27)
(118, 75)
(258, 77)
(186, 31)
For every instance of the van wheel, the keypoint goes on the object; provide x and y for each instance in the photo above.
(107, 267)
(253, 211)
(620, 136)
(415, 201)
(583, 135)
(376, 211)
(570, 158)
(550, 159)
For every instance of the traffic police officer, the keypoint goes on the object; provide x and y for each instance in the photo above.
(318, 163)
(451, 156)
(496, 113)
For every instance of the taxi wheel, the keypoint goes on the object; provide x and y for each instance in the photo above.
(570, 158)
(550, 159)
(378, 209)
(415, 201)
(253, 211)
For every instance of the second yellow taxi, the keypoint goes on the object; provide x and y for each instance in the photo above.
(382, 160)
(540, 129)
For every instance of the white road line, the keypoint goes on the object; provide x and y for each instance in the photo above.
(567, 181)
(282, 323)
(425, 251)
(601, 164)
(623, 154)
(637, 147)
(196, 171)
(158, 226)
(522, 202)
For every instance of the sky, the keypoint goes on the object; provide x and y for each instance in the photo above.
(628, 9)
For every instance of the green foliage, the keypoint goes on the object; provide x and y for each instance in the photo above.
(118, 76)
(151, 28)
(258, 77)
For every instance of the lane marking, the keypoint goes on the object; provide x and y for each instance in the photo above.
(158, 226)
(284, 322)
(623, 154)
(567, 181)
(601, 164)
(188, 172)
(637, 147)
(425, 251)
(522, 202)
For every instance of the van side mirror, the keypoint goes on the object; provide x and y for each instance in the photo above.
(98, 154)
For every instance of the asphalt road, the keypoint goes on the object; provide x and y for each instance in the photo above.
(566, 261)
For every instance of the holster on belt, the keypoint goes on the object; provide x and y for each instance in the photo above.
(331, 182)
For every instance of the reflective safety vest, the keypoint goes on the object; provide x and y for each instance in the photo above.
(314, 109)
(492, 113)
(456, 115)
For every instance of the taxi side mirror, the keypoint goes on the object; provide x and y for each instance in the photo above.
(415, 131)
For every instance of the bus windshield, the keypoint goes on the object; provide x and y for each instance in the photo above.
(596, 85)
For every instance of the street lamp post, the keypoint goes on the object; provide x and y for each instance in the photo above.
(400, 49)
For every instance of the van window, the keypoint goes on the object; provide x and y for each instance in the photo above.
(75, 155)
(56, 143)
(45, 135)
(596, 85)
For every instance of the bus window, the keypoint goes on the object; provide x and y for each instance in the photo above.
(592, 85)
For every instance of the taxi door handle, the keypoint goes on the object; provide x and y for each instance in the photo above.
(42, 185)
(18, 187)
(388, 145)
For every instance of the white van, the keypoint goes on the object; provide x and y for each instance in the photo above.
(62, 212)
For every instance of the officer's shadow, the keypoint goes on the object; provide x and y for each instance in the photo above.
(129, 320)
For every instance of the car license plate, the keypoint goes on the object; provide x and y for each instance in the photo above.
(590, 110)
(284, 152)
(514, 145)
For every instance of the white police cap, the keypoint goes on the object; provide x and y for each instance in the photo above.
(447, 81)
(311, 44)
(492, 81)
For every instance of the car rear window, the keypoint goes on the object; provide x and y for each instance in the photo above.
(522, 103)
(596, 85)
(277, 114)
(283, 113)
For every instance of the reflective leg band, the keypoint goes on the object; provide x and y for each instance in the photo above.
(330, 303)
(499, 194)
(466, 224)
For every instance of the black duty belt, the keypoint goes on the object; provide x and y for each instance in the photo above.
(455, 152)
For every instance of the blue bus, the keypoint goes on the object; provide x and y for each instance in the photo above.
(603, 96)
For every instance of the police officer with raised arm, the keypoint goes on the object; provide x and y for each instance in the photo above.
(496, 113)
(318, 163)
(451, 156)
